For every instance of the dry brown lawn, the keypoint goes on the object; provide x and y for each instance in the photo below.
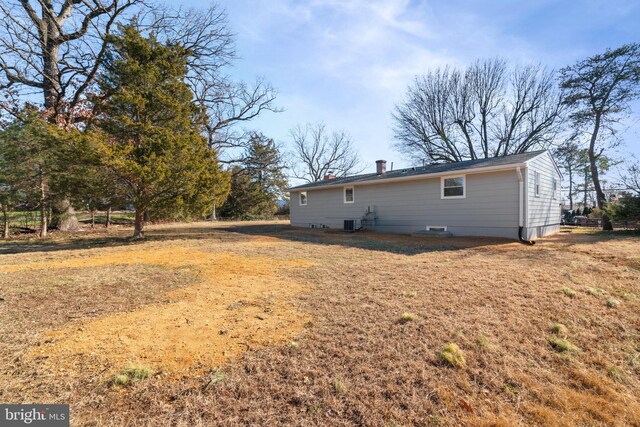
(262, 324)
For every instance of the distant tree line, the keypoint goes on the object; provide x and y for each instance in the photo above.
(127, 103)
(491, 109)
(136, 110)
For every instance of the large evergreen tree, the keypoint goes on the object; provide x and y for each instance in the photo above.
(154, 144)
(39, 162)
(258, 183)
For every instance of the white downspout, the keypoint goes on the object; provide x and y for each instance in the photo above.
(521, 197)
(521, 213)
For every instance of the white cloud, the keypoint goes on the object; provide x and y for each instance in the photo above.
(347, 62)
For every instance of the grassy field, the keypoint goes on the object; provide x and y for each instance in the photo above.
(262, 324)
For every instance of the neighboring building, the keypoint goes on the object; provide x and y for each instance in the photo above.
(511, 196)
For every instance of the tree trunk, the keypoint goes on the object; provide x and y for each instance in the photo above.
(93, 218)
(107, 223)
(570, 189)
(43, 208)
(5, 223)
(50, 62)
(586, 189)
(213, 213)
(64, 218)
(139, 223)
(601, 199)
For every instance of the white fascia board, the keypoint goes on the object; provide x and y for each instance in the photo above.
(457, 172)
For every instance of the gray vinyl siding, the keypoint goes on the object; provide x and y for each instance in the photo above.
(489, 209)
(543, 211)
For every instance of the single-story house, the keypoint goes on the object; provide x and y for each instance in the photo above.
(516, 196)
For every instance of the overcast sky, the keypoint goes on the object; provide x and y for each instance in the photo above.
(347, 63)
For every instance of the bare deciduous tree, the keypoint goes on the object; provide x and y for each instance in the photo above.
(242, 103)
(317, 151)
(228, 103)
(487, 110)
(53, 49)
(631, 177)
(598, 91)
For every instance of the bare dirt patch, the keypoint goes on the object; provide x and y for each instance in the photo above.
(240, 304)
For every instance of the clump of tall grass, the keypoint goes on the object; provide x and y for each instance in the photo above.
(617, 374)
(484, 342)
(568, 292)
(406, 318)
(131, 374)
(562, 345)
(339, 386)
(453, 356)
(559, 329)
(594, 291)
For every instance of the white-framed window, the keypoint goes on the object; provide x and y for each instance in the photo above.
(303, 198)
(554, 187)
(349, 195)
(536, 183)
(453, 187)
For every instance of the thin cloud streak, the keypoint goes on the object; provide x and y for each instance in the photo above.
(348, 63)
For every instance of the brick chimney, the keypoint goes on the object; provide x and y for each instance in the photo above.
(329, 175)
(381, 166)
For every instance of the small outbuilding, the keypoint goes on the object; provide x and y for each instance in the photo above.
(516, 196)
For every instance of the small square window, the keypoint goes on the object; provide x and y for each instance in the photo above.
(348, 195)
(453, 187)
(303, 198)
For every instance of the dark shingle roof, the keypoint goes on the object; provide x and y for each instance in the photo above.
(424, 170)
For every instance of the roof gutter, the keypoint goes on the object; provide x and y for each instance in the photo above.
(415, 177)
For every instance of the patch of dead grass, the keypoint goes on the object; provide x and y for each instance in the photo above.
(240, 304)
(347, 292)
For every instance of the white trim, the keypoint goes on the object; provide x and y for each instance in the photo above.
(520, 197)
(464, 186)
(510, 166)
(306, 198)
(554, 188)
(344, 194)
(537, 186)
(438, 227)
(525, 195)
